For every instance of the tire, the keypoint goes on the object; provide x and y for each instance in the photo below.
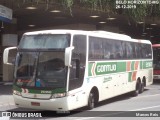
(142, 87)
(91, 101)
(137, 90)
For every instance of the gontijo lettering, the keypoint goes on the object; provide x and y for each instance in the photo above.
(106, 68)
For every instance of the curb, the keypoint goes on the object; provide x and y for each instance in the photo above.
(6, 83)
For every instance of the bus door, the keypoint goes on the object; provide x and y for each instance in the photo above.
(77, 70)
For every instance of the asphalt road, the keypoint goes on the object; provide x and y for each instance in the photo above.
(144, 106)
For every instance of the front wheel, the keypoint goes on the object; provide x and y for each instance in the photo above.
(91, 101)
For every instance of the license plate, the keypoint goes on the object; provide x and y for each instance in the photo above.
(155, 77)
(35, 103)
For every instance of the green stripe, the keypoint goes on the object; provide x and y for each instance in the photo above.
(115, 67)
(90, 68)
(132, 65)
(147, 64)
(17, 88)
(130, 77)
(57, 90)
(141, 65)
(121, 66)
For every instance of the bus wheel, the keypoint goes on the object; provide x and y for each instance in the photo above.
(141, 88)
(137, 89)
(91, 101)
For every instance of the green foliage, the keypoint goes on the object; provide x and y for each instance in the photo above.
(68, 3)
(143, 10)
(137, 14)
(99, 5)
(108, 6)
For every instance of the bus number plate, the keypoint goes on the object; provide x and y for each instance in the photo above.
(155, 77)
(35, 104)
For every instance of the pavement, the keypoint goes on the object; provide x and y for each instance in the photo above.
(6, 99)
(5, 83)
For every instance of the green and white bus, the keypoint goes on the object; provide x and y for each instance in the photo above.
(63, 70)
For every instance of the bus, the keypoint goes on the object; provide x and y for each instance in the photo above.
(156, 61)
(62, 70)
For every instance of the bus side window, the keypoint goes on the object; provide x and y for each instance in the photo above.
(140, 50)
(128, 49)
(147, 51)
(134, 53)
(136, 50)
(124, 50)
(107, 47)
(118, 50)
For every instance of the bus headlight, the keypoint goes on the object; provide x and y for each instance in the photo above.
(17, 92)
(58, 95)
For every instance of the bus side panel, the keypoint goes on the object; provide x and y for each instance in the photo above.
(146, 71)
(116, 84)
(147, 74)
(77, 98)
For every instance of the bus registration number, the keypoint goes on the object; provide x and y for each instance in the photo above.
(35, 103)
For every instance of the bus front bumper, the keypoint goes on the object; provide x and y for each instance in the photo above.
(58, 104)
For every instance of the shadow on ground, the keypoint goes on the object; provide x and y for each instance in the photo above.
(5, 89)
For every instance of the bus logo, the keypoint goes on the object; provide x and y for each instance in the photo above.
(106, 68)
(103, 68)
(6, 114)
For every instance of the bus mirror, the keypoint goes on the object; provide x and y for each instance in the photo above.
(6, 55)
(68, 53)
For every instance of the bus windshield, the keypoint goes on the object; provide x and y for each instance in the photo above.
(40, 69)
(45, 41)
(40, 61)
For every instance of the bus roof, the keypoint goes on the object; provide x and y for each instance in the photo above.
(110, 35)
(90, 33)
(103, 34)
(143, 41)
